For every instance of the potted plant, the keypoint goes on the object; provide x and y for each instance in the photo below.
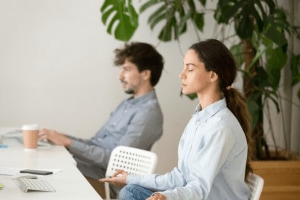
(260, 43)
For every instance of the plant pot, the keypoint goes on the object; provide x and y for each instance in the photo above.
(281, 178)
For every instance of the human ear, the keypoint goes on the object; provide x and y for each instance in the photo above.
(213, 75)
(146, 74)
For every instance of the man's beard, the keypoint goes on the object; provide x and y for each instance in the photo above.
(129, 91)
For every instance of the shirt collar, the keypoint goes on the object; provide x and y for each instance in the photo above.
(146, 97)
(210, 110)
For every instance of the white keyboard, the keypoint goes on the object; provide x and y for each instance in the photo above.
(28, 184)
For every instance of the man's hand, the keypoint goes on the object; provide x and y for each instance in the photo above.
(55, 137)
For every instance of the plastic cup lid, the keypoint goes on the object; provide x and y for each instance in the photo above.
(30, 127)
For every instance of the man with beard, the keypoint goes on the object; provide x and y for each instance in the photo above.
(136, 122)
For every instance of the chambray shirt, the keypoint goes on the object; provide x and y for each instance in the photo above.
(212, 157)
(136, 122)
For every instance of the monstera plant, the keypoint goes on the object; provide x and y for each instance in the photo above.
(260, 42)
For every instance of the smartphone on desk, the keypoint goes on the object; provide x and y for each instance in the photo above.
(38, 172)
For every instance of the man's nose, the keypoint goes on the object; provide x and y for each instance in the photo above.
(121, 75)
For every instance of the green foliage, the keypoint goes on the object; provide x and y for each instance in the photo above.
(267, 26)
(190, 96)
(123, 16)
(262, 22)
(171, 15)
(295, 67)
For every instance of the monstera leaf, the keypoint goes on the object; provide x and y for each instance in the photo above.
(172, 17)
(121, 17)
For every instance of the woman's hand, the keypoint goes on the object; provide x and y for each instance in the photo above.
(54, 137)
(157, 196)
(118, 179)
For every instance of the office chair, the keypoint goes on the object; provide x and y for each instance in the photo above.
(132, 160)
(256, 184)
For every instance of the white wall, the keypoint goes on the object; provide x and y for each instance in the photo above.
(56, 70)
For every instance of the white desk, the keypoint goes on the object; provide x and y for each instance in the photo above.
(68, 182)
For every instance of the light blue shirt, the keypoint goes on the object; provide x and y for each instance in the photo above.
(136, 122)
(212, 156)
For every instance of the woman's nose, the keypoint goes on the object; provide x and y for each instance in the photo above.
(181, 75)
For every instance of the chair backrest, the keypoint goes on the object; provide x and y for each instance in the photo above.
(132, 160)
(256, 184)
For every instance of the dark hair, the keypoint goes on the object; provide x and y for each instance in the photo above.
(217, 58)
(144, 55)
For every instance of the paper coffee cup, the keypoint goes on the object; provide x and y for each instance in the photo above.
(30, 136)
